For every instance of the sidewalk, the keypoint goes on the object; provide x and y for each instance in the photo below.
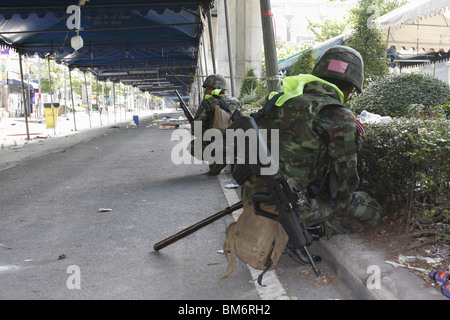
(13, 131)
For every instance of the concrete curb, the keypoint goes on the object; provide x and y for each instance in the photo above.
(367, 274)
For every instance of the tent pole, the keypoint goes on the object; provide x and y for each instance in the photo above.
(25, 107)
(65, 92)
(204, 54)
(211, 41)
(201, 69)
(103, 100)
(98, 106)
(114, 100)
(39, 106)
(118, 98)
(125, 101)
(230, 53)
(200, 78)
(73, 104)
(51, 95)
(87, 100)
(387, 39)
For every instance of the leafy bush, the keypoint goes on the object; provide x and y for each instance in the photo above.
(405, 165)
(419, 111)
(393, 95)
(252, 93)
(304, 64)
(249, 84)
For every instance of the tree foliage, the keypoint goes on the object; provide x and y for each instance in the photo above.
(327, 29)
(367, 39)
(288, 49)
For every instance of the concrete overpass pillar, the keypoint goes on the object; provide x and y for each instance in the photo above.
(246, 39)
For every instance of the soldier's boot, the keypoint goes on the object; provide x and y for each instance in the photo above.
(299, 255)
(215, 169)
(317, 231)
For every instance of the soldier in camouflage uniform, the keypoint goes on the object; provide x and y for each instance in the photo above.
(319, 140)
(215, 88)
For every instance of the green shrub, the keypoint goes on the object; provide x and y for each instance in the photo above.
(252, 93)
(393, 95)
(405, 165)
(304, 64)
(419, 111)
(249, 84)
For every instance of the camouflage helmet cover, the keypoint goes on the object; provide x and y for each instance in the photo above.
(215, 81)
(343, 63)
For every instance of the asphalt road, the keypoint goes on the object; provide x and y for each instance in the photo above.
(55, 244)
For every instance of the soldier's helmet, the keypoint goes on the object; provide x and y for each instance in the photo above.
(343, 63)
(215, 81)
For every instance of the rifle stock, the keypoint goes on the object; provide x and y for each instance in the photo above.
(185, 108)
(189, 230)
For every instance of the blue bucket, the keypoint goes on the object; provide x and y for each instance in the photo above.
(136, 120)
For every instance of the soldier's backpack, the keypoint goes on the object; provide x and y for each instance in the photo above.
(222, 116)
(255, 239)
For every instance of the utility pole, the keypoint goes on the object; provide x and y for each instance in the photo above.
(270, 51)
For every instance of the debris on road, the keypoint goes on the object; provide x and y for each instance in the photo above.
(232, 186)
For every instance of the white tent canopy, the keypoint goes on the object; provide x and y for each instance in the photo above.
(420, 24)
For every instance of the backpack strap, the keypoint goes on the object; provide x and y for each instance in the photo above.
(268, 264)
(267, 107)
(223, 105)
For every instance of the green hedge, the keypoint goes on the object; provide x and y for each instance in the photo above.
(405, 165)
(393, 95)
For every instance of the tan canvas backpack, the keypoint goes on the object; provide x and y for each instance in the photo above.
(255, 239)
(222, 119)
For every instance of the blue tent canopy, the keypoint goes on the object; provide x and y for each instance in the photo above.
(318, 50)
(152, 45)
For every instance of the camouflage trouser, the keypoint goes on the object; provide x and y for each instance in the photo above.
(198, 153)
(355, 214)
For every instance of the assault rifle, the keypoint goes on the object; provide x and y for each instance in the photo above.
(185, 108)
(283, 194)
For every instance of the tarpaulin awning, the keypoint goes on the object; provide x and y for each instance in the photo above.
(421, 24)
(152, 45)
(318, 50)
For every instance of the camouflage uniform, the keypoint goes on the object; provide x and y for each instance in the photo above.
(319, 140)
(206, 110)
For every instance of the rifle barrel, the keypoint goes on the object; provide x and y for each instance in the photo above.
(185, 108)
(189, 230)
